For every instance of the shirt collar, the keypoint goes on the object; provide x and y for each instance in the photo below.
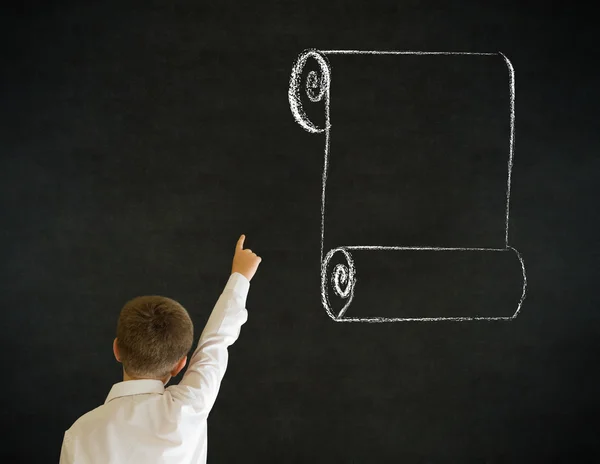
(135, 387)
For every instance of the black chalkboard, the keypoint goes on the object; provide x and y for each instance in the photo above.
(139, 139)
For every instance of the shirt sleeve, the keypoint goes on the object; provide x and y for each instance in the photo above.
(200, 383)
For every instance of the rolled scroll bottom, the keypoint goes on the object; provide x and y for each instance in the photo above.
(379, 285)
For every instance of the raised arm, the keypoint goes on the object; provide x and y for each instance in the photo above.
(200, 383)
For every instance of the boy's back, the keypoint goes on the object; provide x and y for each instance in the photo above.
(145, 426)
(141, 421)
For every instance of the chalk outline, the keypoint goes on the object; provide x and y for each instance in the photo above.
(306, 124)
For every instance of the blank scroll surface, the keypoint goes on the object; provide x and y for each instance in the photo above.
(418, 153)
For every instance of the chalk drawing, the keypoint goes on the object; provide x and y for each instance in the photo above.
(343, 277)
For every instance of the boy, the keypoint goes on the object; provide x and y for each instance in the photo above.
(141, 421)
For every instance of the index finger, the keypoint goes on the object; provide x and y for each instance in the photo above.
(240, 242)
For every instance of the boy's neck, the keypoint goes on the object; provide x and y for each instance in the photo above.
(126, 377)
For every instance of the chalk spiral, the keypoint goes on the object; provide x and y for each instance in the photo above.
(316, 88)
(338, 280)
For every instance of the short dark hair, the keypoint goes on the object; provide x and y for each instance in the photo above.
(153, 334)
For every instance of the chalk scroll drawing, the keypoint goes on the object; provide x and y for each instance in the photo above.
(311, 83)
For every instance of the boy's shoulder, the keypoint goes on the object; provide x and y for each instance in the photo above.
(90, 418)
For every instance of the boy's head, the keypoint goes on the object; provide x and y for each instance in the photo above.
(154, 335)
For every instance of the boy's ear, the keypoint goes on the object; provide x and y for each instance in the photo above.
(180, 365)
(116, 350)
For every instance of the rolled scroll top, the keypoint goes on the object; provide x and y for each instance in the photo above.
(314, 84)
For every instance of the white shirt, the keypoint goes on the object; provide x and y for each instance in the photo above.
(141, 422)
